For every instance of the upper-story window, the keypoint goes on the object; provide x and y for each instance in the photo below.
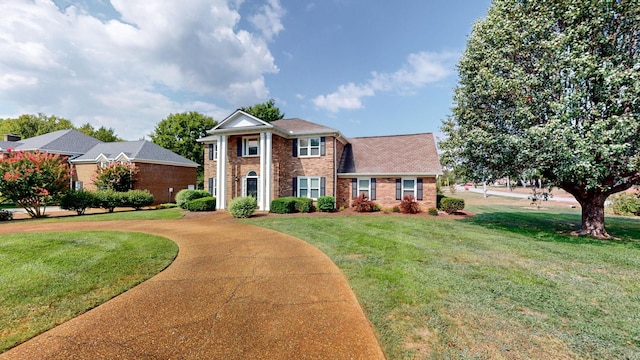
(213, 151)
(251, 146)
(309, 147)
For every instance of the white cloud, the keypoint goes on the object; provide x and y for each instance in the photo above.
(132, 70)
(419, 70)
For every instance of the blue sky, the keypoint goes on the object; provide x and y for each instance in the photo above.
(365, 68)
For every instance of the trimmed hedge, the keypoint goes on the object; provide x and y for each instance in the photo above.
(137, 199)
(108, 199)
(78, 201)
(326, 203)
(202, 204)
(243, 207)
(290, 204)
(185, 195)
(451, 205)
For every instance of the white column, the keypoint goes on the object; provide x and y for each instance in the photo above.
(263, 171)
(221, 172)
(268, 173)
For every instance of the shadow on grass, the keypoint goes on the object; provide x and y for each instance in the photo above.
(557, 227)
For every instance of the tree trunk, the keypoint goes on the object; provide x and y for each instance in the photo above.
(593, 216)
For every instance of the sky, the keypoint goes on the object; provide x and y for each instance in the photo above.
(366, 68)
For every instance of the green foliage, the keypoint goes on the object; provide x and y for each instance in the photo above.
(266, 111)
(433, 211)
(33, 179)
(625, 204)
(304, 205)
(109, 199)
(409, 205)
(33, 125)
(363, 204)
(451, 205)
(78, 201)
(167, 206)
(115, 176)
(551, 86)
(185, 195)
(102, 133)
(179, 132)
(290, 204)
(202, 204)
(6, 215)
(138, 199)
(243, 207)
(326, 203)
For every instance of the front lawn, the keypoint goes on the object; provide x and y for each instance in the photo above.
(507, 283)
(48, 278)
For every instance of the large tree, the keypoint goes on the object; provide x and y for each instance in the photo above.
(28, 125)
(267, 111)
(179, 132)
(552, 86)
(102, 133)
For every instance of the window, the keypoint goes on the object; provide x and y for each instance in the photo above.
(309, 187)
(251, 146)
(409, 187)
(213, 151)
(309, 147)
(213, 188)
(364, 187)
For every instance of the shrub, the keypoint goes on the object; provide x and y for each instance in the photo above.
(138, 199)
(243, 207)
(185, 195)
(451, 205)
(109, 199)
(304, 205)
(78, 201)
(439, 198)
(283, 205)
(6, 215)
(408, 205)
(167, 206)
(625, 204)
(433, 211)
(395, 209)
(363, 204)
(326, 203)
(202, 204)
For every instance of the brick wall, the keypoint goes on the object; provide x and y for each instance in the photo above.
(84, 173)
(386, 193)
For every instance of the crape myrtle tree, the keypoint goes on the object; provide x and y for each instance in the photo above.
(116, 176)
(552, 86)
(33, 179)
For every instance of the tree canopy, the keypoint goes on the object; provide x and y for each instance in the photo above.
(267, 111)
(179, 132)
(552, 86)
(102, 133)
(28, 125)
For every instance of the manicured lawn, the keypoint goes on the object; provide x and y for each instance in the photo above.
(508, 283)
(48, 278)
(152, 214)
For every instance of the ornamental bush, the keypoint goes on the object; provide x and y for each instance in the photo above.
(109, 199)
(363, 204)
(304, 205)
(326, 203)
(451, 205)
(433, 211)
(243, 207)
(202, 204)
(185, 195)
(78, 201)
(409, 205)
(138, 199)
(283, 205)
(625, 204)
(115, 176)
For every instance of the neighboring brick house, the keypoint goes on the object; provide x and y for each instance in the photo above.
(304, 159)
(161, 171)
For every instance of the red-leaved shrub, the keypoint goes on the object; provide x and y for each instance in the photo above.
(363, 204)
(408, 205)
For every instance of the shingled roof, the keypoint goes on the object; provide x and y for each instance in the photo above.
(297, 126)
(136, 151)
(414, 154)
(66, 142)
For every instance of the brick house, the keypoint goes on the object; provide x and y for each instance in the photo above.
(247, 156)
(161, 171)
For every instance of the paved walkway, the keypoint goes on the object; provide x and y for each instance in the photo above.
(479, 190)
(235, 291)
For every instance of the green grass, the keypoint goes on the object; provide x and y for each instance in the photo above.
(48, 278)
(153, 214)
(508, 283)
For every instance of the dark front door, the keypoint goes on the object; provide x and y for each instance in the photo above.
(252, 187)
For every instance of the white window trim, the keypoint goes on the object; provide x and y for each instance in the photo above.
(368, 189)
(215, 151)
(309, 147)
(245, 147)
(309, 188)
(414, 189)
(215, 187)
(244, 184)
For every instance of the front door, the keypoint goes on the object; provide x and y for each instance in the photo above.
(252, 187)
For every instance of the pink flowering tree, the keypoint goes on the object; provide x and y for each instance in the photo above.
(116, 176)
(33, 179)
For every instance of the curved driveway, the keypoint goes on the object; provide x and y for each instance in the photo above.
(235, 291)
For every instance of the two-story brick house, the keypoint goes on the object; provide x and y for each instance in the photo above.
(247, 156)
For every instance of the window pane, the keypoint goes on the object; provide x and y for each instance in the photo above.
(408, 192)
(303, 143)
(363, 184)
(408, 184)
(303, 193)
(365, 192)
(315, 142)
(304, 183)
(315, 151)
(315, 183)
(314, 193)
(304, 151)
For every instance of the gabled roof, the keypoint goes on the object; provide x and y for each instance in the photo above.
(4, 145)
(65, 142)
(136, 151)
(414, 154)
(301, 127)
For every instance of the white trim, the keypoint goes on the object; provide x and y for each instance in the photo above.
(221, 173)
(309, 147)
(359, 189)
(263, 169)
(309, 188)
(415, 186)
(245, 147)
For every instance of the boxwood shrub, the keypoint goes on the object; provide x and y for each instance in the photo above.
(108, 199)
(202, 204)
(451, 205)
(290, 204)
(326, 203)
(185, 195)
(78, 201)
(138, 199)
(243, 207)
